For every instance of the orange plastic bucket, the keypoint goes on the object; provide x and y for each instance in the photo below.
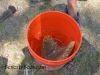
(61, 27)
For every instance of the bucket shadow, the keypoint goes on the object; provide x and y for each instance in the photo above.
(84, 63)
(59, 7)
(3, 62)
(27, 61)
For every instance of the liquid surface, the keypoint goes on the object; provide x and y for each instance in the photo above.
(58, 37)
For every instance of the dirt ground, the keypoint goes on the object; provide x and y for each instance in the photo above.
(13, 48)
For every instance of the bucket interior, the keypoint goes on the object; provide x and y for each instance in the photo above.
(59, 25)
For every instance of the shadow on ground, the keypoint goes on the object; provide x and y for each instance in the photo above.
(12, 28)
(85, 62)
(3, 63)
(91, 24)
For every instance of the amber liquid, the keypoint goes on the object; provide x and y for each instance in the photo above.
(58, 37)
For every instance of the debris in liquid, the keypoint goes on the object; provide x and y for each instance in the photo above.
(52, 51)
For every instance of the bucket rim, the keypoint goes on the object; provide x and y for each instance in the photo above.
(51, 62)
